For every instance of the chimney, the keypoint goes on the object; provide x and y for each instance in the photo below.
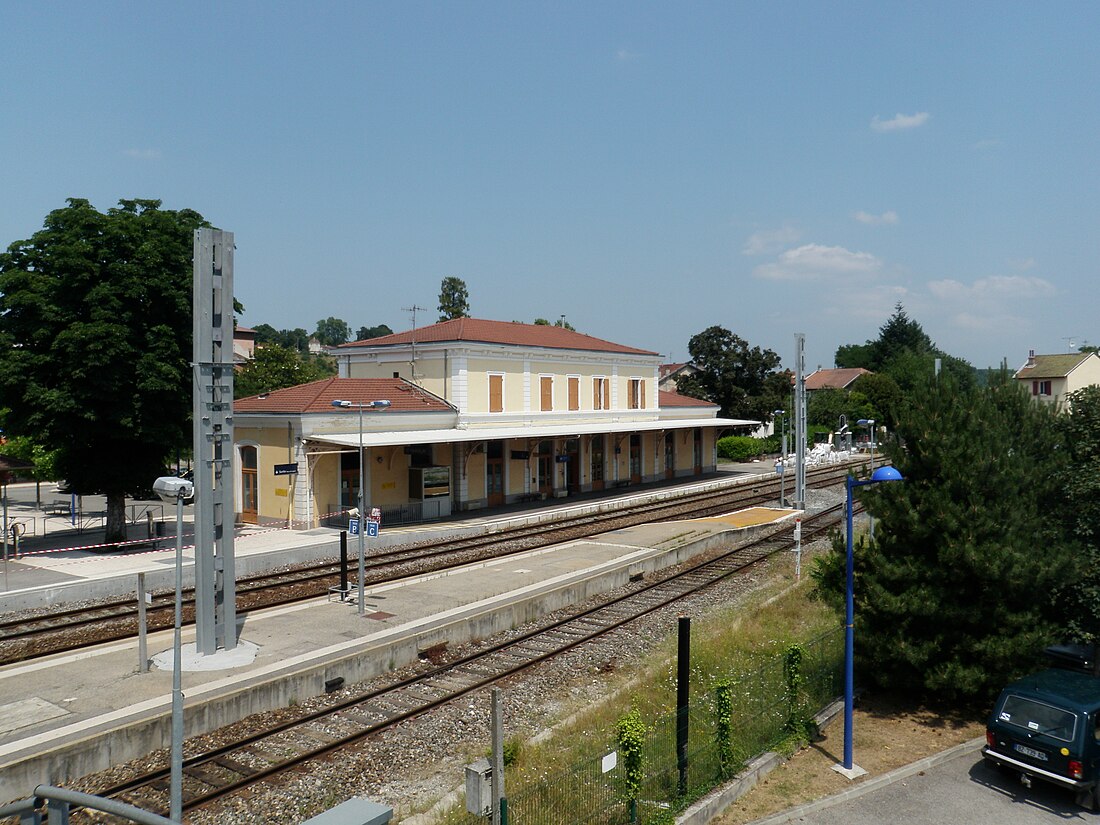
(1031, 358)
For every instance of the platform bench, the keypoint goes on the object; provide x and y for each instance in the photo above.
(60, 507)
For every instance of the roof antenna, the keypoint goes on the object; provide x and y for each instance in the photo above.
(412, 363)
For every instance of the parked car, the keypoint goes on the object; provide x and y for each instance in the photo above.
(1047, 726)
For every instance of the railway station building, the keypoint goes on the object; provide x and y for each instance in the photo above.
(481, 414)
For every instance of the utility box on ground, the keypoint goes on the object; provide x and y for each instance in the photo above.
(355, 811)
(479, 788)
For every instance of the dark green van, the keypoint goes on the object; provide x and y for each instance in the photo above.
(1046, 726)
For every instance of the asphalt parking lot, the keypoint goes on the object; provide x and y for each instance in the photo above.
(961, 790)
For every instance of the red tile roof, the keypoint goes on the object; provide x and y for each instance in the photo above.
(511, 333)
(674, 399)
(317, 396)
(837, 379)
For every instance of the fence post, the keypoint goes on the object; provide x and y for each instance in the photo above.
(683, 676)
(497, 723)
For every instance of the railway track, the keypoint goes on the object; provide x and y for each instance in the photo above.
(264, 755)
(65, 629)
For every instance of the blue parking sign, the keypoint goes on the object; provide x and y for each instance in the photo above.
(372, 529)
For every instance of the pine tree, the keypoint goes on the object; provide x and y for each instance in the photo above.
(454, 299)
(957, 592)
(1081, 482)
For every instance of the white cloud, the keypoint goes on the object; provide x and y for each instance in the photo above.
(625, 55)
(1001, 289)
(890, 217)
(899, 122)
(143, 154)
(995, 305)
(870, 305)
(769, 241)
(813, 261)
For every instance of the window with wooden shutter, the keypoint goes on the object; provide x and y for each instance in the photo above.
(606, 393)
(635, 398)
(574, 392)
(546, 382)
(496, 393)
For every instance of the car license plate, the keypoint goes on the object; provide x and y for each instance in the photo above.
(1034, 754)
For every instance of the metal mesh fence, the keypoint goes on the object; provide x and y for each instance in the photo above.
(585, 793)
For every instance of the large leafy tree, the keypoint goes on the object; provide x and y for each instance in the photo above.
(95, 343)
(883, 397)
(366, 333)
(332, 332)
(744, 381)
(273, 367)
(295, 339)
(454, 299)
(958, 590)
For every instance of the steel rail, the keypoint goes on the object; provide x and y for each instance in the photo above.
(117, 619)
(461, 677)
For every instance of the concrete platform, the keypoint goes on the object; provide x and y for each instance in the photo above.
(73, 714)
(48, 573)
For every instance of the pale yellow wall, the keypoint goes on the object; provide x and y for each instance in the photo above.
(326, 484)
(516, 470)
(475, 478)
(477, 379)
(477, 384)
(275, 492)
(623, 385)
(389, 478)
(684, 441)
(1086, 375)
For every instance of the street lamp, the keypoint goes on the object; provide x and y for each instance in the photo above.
(783, 453)
(370, 405)
(171, 488)
(849, 770)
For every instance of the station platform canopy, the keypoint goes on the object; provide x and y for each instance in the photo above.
(394, 438)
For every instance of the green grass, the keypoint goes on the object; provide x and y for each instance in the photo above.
(559, 779)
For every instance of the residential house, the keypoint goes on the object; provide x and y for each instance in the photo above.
(834, 379)
(1050, 378)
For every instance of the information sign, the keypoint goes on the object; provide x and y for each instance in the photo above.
(372, 529)
(286, 469)
(353, 527)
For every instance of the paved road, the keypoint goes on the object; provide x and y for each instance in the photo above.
(962, 790)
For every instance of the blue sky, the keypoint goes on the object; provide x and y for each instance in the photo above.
(647, 170)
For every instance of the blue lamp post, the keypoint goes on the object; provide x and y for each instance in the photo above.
(849, 770)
